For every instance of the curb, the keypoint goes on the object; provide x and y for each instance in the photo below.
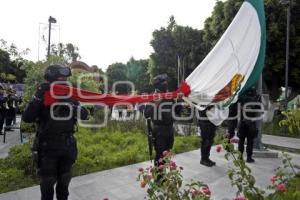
(287, 149)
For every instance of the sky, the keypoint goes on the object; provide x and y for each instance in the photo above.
(106, 31)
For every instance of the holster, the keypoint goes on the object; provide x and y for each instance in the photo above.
(35, 154)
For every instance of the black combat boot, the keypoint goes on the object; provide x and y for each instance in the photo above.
(206, 163)
(212, 162)
(250, 160)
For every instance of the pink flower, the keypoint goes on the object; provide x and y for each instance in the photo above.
(161, 167)
(281, 187)
(234, 140)
(194, 192)
(206, 191)
(274, 179)
(143, 184)
(141, 169)
(173, 165)
(218, 148)
(165, 153)
(240, 198)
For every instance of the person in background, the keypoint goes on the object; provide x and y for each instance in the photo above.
(232, 121)
(3, 100)
(208, 132)
(247, 130)
(162, 119)
(12, 101)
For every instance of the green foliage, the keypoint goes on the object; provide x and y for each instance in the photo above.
(68, 52)
(284, 183)
(13, 178)
(11, 62)
(273, 128)
(16, 169)
(117, 72)
(35, 76)
(224, 12)
(172, 43)
(137, 73)
(86, 82)
(292, 121)
(240, 175)
(164, 182)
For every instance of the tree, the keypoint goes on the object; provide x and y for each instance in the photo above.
(274, 70)
(172, 44)
(137, 73)
(35, 76)
(12, 70)
(117, 72)
(68, 52)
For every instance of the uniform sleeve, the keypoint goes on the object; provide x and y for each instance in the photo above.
(148, 112)
(32, 110)
(179, 107)
(3, 100)
(82, 111)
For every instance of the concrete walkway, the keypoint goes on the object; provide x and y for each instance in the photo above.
(120, 183)
(282, 143)
(12, 139)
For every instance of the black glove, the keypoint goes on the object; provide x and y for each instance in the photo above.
(42, 89)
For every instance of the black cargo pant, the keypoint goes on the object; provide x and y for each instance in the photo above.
(2, 119)
(208, 132)
(247, 130)
(55, 168)
(163, 140)
(232, 122)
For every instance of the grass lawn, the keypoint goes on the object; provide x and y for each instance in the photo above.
(114, 146)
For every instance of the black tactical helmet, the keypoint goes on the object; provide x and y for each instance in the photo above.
(158, 82)
(53, 72)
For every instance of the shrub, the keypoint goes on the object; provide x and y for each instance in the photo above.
(292, 122)
(164, 182)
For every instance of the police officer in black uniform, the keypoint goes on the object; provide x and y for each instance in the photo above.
(161, 117)
(208, 132)
(11, 108)
(232, 121)
(247, 127)
(55, 142)
(3, 101)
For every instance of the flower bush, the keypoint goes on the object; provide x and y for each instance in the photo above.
(240, 175)
(241, 178)
(164, 182)
(282, 181)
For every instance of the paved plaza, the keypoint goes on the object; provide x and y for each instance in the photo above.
(121, 184)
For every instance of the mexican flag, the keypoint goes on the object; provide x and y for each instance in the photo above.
(236, 61)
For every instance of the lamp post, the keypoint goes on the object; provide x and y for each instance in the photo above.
(50, 20)
(287, 49)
